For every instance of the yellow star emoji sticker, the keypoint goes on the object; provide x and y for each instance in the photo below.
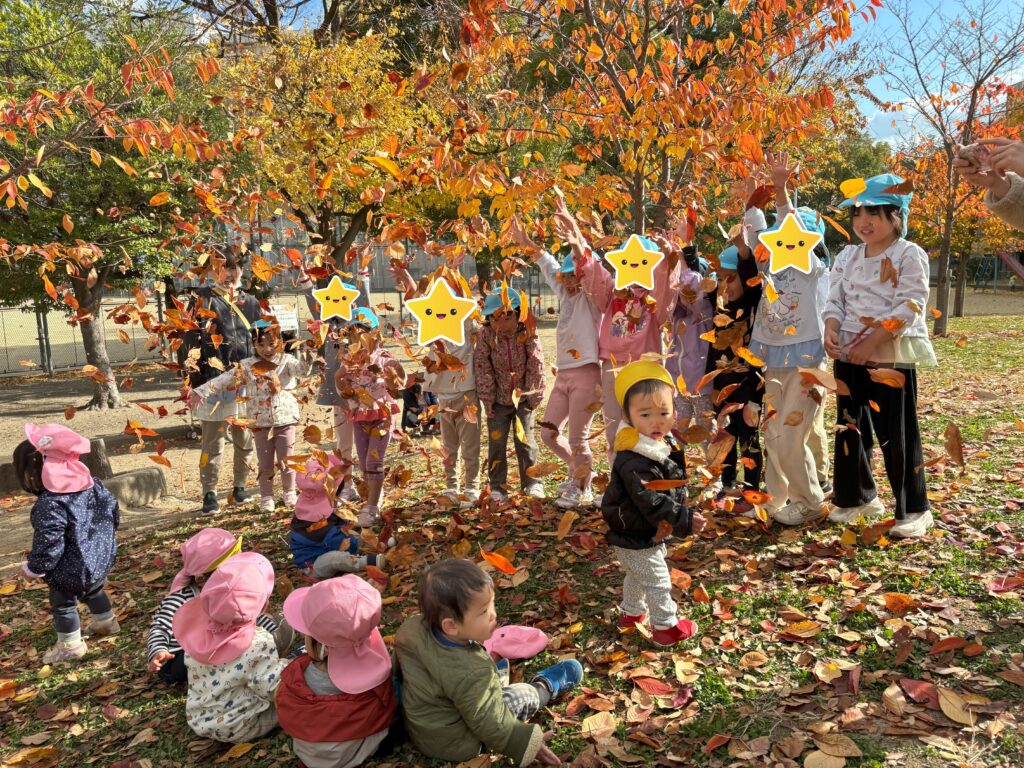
(634, 264)
(336, 299)
(790, 245)
(440, 314)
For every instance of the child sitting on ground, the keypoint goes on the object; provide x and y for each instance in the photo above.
(336, 700)
(321, 542)
(419, 407)
(201, 555)
(233, 664)
(452, 697)
(73, 544)
(641, 518)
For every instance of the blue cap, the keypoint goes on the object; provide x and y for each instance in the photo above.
(365, 316)
(702, 263)
(492, 302)
(261, 324)
(729, 258)
(811, 220)
(875, 193)
(649, 244)
(568, 265)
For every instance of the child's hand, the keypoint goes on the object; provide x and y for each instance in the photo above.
(698, 524)
(545, 756)
(863, 351)
(566, 227)
(28, 574)
(832, 347)
(781, 168)
(159, 659)
(517, 232)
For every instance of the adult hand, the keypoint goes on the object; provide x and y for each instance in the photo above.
(971, 172)
(159, 659)
(832, 346)
(1005, 155)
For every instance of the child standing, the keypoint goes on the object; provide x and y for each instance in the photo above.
(452, 697)
(73, 545)
(787, 336)
(336, 700)
(688, 352)
(321, 542)
(368, 377)
(201, 554)
(578, 378)
(233, 664)
(507, 358)
(875, 318)
(645, 452)
(268, 378)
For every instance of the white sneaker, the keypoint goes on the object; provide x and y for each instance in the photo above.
(913, 527)
(470, 497)
(794, 514)
(61, 652)
(101, 629)
(369, 516)
(535, 491)
(452, 493)
(586, 497)
(570, 498)
(349, 493)
(499, 496)
(873, 508)
(597, 498)
(267, 504)
(564, 486)
(290, 498)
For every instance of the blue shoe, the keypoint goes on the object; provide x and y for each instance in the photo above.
(504, 672)
(562, 677)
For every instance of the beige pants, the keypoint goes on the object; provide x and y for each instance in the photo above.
(213, 444)
(791, 472)
(819, 447)
(460, 437)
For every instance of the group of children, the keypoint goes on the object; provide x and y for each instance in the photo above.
(748, 353)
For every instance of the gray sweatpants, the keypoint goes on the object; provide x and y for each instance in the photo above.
(648, 585)
(213, 444)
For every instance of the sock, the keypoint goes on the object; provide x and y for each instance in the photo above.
(103, 618)
(544, 691)
(70, 638)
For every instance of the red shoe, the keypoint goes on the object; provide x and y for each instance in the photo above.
(630, 622)
(683, 630)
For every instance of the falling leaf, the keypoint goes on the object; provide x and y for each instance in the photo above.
(954, 444)
(69, 412)
(565, 524)
(311, 434)
(543, 469)
(663, 484)
(663, 531)
(887, 376)
(499, 562)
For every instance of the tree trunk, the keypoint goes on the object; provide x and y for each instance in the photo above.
(105, 393)
(942, 288)
(961, 286)
(639, 203)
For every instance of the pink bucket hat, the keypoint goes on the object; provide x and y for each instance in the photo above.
(516, 642)
(342, 614)
(313, 503)
(205, 552)
(61, 447)
(218, 626)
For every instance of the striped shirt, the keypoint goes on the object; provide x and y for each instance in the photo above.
(161, 636)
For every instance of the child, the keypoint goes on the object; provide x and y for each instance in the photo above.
(368, 378)
(233, 664)
(631, 318)
(336, 700)
(578, 378)
(321, 542)
(787, 336)
(688, 352)
(452, 697)
(635, 514)
(201, 554)
(507, 358)
(875, 317)
(268, 377)
(419, 407)
(73, 545)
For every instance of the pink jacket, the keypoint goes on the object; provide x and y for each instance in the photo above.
(503, 364)
(360, 382)
(630, 326)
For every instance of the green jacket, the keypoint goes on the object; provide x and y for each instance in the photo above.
(451, 697)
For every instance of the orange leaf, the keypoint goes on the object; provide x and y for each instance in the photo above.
(161, 460)
(888, 376)
(716, 741)
(663, 484)
(700, 595)
(948, 644)
(663, 532)
(497, 561)
(565, 524)
(801, 629)
(67, 223)
(653, 686)
(69, 412)
(160, 198)
(757, 497)
(897, 602)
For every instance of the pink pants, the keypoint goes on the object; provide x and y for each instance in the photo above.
(371, 446)
(273, 446)
(574, 390)
(343, 434)
(610, 407)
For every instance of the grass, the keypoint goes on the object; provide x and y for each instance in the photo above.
(109, 711)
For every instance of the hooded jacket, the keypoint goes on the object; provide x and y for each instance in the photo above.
(232, 327)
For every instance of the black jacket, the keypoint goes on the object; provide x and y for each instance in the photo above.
(737, 332)
(236, 337)
(632, 511)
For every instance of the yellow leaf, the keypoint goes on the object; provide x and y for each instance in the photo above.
(67, 223)
(595, 52)
(38, 184)
(599, 726)
(96, 157)
(852, 187)
(626, 439)
(236, 751)
(955, 707)
(385, 164)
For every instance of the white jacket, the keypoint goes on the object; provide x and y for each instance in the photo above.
(264, 408)
(447, 384)
(579, 321)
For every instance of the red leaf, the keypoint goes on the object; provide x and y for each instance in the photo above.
(498, 561)
(654, 686)
(716, 741)
(921, 692)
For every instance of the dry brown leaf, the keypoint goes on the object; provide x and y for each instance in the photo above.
(599, 726)
(955, 708)
(819, 759)
(837, 745)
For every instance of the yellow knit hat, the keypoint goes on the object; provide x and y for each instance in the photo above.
(641, 370)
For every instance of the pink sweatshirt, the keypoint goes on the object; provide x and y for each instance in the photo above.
(629, 326)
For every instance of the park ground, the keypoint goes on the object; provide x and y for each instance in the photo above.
(819, 647)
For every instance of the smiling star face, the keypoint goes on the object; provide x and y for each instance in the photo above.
(634, 264)
(790, 245)
(336, 299)
(440, 314)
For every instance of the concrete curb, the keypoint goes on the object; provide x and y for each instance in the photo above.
(137, 487)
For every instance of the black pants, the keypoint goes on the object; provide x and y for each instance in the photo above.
(748, 442)
(64, 605)
(174, 671)
(895, 424)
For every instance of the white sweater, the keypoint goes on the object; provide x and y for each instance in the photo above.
(579, 321)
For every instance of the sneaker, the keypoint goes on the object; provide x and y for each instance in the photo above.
(826, 487)
(378, 560)
(210, 505)
(873, 508)
(535, 491)
(629, 622)
(290, 498)
(239, 495)
(452, 493)
(369, 516)
(470, 497)
(504, 672)
(666, 638)
(586, 497)
(913, 526)
(499, 497)
(570, 498)
(564, 486)
(795, 514)
(350, 493)
(61, 652)
(562, 677)
(267, 504)
(102, 628)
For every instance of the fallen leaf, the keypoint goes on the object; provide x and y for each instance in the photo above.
(753, 660)
(599, 726)
(955, 708)
(819, 759)
(837, 745)
(236, 751)
(499, 562)
(565, 524)
(716, 741)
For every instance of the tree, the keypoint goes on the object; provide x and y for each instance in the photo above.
(949, 69)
